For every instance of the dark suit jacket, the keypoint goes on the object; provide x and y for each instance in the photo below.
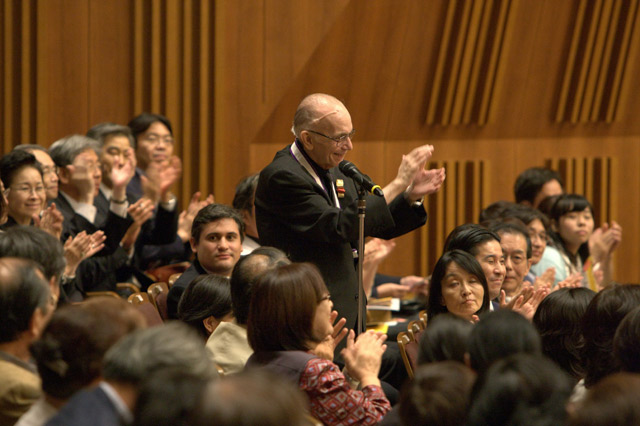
(114, 226)
(296, 215)
(181, 284)
(87, 407)
(98, 272)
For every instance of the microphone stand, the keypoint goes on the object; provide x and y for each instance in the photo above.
(362, 312)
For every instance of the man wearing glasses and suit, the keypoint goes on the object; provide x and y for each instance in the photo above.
(307, 207)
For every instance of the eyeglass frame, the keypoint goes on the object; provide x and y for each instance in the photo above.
(339, 141)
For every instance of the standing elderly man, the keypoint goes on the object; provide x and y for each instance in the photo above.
(307, 207)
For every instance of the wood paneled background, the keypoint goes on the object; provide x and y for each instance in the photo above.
(495, 85)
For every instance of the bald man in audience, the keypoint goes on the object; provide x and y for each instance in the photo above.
(228, 344)
(25, 308)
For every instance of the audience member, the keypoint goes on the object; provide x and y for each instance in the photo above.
(557, 319)
(80, 176)
(251, 398)
(170, 397)
(205, 303)
(494, 213)
(438, 395)
(458, 286)
(157, 167)
(244, 202)
(290, 317)
(216, 239)
(484, 245)
(170, 346)
(537, 225)
(154, 223)
(516, 247)
(445, 339)
(28, 242)
(498, 335)
(599, 324)
(70, 350)
(535, 184)
(522, 389)
(49, 169)
(24, 188)
(625, 342)
(3, 205)
(613, 401)
(25, 307)
(228, 344)
(572, 218)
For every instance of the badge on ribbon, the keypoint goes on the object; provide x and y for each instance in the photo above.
(340, 188)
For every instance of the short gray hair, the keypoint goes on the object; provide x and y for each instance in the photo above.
(171, 345)
(65, 150)
(102, 131)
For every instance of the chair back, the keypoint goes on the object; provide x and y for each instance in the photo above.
(142, 303)
(162, 273)
(158, 293)
(404, 340)
(173, 278)
(107, 293)
(423, 318)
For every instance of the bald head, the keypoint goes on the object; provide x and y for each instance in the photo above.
(314, 109)
(246, 273)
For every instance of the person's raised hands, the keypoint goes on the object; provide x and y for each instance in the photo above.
(363, 356)
(327, 347)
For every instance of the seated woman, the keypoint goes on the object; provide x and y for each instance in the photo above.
(24, 187)
(584, 250)
(206, 303)
(458, 286)
(290, 321)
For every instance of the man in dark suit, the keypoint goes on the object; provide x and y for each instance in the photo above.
(80, 176)
(216, 239)
(127, 364)
(116, 143)
(307, 207)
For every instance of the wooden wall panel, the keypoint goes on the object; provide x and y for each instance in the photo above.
(505, 84)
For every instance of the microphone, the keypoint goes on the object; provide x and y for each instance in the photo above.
(349, 169)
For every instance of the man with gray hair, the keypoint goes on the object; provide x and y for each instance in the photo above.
(80, 176)
(134, 358)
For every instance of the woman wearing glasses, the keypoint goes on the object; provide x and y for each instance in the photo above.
(24, 187)
(290, 329)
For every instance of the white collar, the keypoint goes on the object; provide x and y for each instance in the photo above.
(297, 154)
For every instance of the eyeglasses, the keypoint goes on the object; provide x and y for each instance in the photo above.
(28, 189)
(155, 138)
(339, 140)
